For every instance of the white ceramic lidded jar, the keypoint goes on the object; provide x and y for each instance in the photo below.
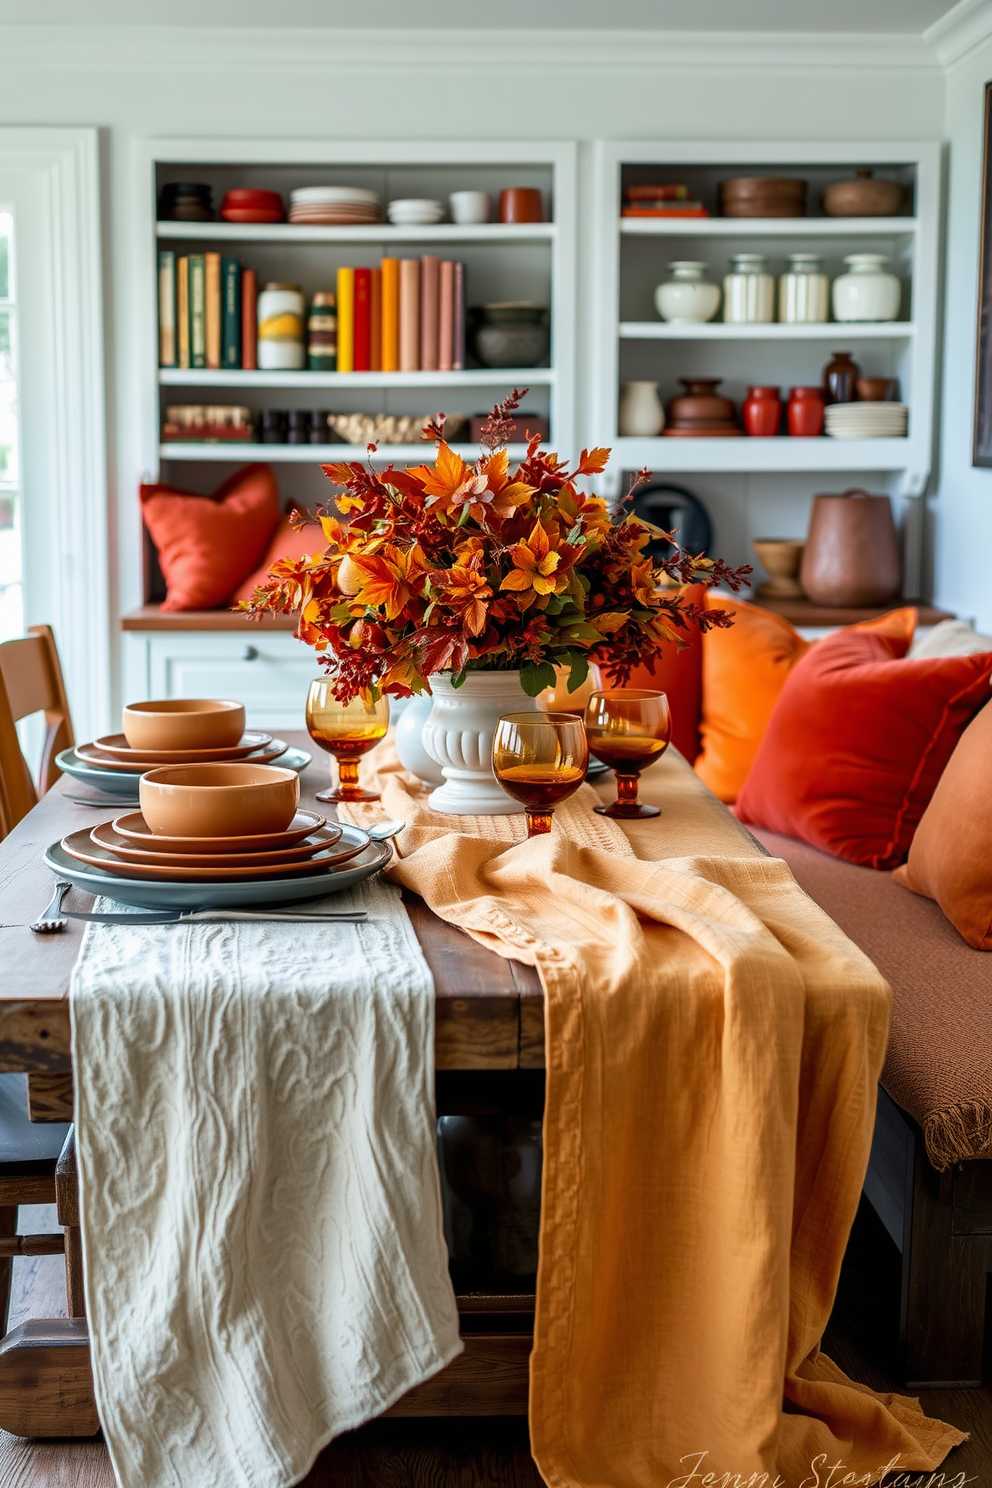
(281, 318)
(804, 291)
(867, 291)
(687, 298)
(749, 291)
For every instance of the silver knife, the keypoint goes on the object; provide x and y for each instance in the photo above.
(208, 916)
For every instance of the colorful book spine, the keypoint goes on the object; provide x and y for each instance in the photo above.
(390, 315)
(182, 310)
(446, 316)
(429, 266)
(362, 354)
(409, 315)
(458, 323)
(249, 320)
(375, 320)
(197, 310)
(230, 294)
(212, 309)
(346, 320)
(167, 348)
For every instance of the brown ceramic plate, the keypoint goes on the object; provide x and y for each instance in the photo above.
(138, 764)
(117, 745)
(133, 828)
(104, 836)
(78, 845)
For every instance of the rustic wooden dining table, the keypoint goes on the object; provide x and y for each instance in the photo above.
(489, 1019)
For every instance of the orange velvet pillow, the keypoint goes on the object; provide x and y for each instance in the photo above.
(743, 671)
(287, 543)
(679, 674)
(208, 544)
(950, 859)
(857, 742)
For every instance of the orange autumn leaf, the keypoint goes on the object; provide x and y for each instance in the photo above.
(385, 580)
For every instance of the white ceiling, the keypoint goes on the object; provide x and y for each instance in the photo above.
(878, 17)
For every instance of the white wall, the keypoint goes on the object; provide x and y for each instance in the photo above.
(962, 507)
(135, 81)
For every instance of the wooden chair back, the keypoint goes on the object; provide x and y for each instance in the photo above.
(30, 682)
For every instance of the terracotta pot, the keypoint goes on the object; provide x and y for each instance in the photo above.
(852, 552)
(521, 204)
(762, 412)
(700, 404)
(862, 197)
(805, 412)
(875, 389)
(840, 376)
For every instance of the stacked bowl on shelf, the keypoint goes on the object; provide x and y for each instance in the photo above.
(333, 206)
(415, 211)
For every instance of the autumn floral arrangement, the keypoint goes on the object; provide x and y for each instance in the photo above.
(457, 567)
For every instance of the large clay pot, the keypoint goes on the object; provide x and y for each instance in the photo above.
(852, 552)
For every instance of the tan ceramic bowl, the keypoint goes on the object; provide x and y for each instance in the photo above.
(184, 723)
(232, 800)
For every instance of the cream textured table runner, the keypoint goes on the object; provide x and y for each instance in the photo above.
(265, 1264)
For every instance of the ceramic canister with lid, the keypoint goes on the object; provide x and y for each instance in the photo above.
(281, 343)
(687, 297)
(804, 291)
(749, 291)
(866, 291)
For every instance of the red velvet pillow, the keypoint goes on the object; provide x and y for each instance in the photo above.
(679, 674)
(208, 544)
(287, 543)
(857, 742)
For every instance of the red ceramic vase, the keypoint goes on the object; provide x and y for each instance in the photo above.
(805, 412)
(762, 412)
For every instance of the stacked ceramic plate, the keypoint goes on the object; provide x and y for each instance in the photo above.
(415, 211)
(866, 420)
(333, 206)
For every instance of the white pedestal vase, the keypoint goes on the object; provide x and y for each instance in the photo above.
(459, 736)
(410, 740)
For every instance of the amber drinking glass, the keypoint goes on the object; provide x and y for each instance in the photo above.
(346, 730)
(540, 759)
(558, 699)
(628, 731)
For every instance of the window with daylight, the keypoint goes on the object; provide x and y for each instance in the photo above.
(11, 606)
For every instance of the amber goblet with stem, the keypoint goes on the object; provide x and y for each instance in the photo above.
(628, 731)
(540, 759)
(346, 730)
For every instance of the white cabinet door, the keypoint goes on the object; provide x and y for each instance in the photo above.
(269, 673)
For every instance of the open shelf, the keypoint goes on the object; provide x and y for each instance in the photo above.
(766, 227)
(291, 233)
(745, 454)
(718, 330)
(320, 454)
(486, 377)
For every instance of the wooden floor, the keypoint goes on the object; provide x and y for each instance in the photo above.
(491, 1453)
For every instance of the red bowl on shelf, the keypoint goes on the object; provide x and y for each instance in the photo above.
(243, 196)
(252, 214)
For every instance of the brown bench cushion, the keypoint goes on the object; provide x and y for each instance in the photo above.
(939, 1061)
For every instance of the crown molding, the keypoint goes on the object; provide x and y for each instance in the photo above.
(960, 32)
(207, 48)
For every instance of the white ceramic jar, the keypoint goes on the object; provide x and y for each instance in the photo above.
(749, 291)
(867, 291)
(804, 291)
(687, 298)
(459, 734)
(641, 413)
(281, 318)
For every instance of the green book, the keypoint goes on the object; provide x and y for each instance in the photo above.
(230, 309)
(167, 340)
(197, 310)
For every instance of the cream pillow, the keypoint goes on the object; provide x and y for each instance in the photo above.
(949, 638)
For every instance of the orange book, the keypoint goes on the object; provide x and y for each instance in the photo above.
(446, 317)
(375, 321)
(429, 265)
(390, 315)
(346, 320)
(409, 315)
(249, 319)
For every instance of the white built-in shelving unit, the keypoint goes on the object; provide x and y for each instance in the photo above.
(631, 342)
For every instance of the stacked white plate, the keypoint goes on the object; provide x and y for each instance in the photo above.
(866, 420)
(333, 206)
(415, 211)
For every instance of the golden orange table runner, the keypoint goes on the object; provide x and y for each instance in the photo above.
(713, 1044)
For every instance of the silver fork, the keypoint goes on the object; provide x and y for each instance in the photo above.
(51, 919)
